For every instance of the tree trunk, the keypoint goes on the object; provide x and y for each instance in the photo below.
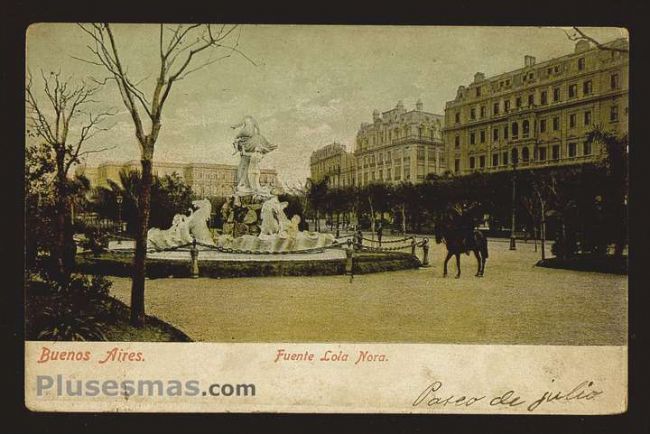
(403, 211)
(372, 220)
(62, 260)
(139, 260)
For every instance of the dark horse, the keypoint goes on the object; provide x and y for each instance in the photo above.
(462, 240)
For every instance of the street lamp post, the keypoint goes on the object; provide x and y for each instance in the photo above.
(513, 243)
(119, 211)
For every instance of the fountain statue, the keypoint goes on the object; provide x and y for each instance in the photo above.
(254, 218)
(252, 147)
(184, 229)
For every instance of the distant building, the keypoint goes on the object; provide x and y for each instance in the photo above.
(205, 179)
(334, 162)
(539, 115)
(400, 145)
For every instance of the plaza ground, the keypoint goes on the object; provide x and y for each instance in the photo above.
(515, 303)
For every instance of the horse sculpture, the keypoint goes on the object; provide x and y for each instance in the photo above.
(462, 240)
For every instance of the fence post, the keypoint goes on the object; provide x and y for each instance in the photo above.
(349, 265)
(425, 252)
(413, 244)
(194, 253)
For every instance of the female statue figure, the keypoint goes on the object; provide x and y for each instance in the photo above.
(252, 147)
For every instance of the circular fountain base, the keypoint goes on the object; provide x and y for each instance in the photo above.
(214, 264)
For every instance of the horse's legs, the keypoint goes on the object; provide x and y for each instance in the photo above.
(446, 260)
(478, 263)
(458, 265)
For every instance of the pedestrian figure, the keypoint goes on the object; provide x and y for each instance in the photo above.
(358, 238)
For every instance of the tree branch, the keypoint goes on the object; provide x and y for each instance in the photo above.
(582, 36)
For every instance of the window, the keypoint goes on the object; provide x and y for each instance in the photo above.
(495, 134)
(542, 154)
(515, 156)
(587, 118)
(613, 113)
(525, 126)
(505, 132)
(613, 81)
(495, 108)
(542, 126)
(388, 174)
(525, 154)
(518, 102)
(581, 64)
(515, 130)
(458, 117)
(505, 159)
(495, 160)
(456, 166)
(572, 120)
(544, 97)
(555, 152)
(478, 91)
(586, 87)
(573, 90)
(506, 105)
(481, 161)
(586, 148)
(572, 149)
(482, 111)
(472, 113)
(471, 162)
(482, 133)
(457, 142)
(472, 138)
(531, 100)
(556, 94)
(556, 123)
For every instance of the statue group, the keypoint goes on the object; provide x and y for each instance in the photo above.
(253, 217)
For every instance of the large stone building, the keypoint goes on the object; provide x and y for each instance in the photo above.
(397, 146)
(540, 114)
(400, 145)
(205, 179)
(334, 162)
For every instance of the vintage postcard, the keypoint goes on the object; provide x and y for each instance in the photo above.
(326, 219)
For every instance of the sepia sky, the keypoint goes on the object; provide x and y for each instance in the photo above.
(311, 85)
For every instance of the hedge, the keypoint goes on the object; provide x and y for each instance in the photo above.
(112, 264)
(601, 264)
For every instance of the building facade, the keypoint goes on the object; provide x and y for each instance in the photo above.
(539, 115)
(334, 162)
(205, 179)
(400, 145)
(397, 146)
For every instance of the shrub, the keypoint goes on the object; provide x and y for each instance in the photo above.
(76, 311)
(64, 324)
(95, 240)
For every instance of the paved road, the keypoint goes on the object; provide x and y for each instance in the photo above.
(515, 303)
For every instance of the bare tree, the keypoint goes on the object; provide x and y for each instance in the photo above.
(181, 50)
(579, 35)
(64, 110)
